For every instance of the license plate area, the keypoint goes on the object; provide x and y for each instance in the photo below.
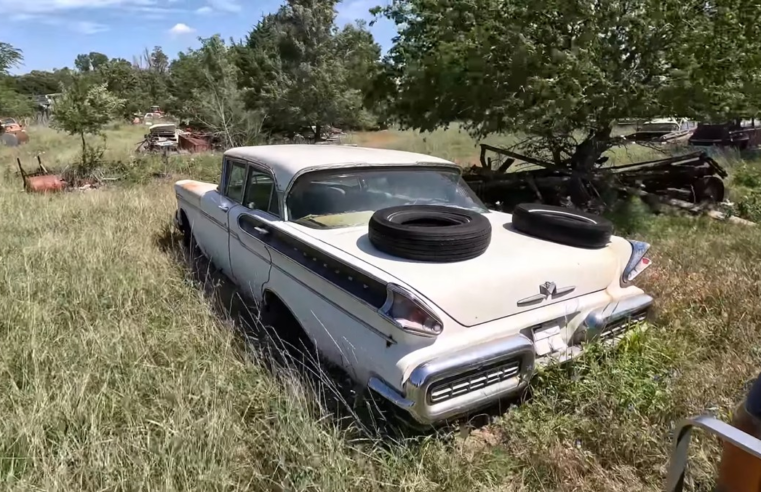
(548, 339)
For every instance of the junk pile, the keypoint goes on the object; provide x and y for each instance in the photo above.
(693, 182)
(12, 134)
(166, 138)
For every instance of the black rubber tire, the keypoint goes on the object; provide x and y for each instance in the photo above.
(9, 139)
(430, 233)
(709, 189)
(562, 225)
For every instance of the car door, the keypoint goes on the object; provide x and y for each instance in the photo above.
(250, 232)
(214, 235)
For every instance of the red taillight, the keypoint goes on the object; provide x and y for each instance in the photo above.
(409, 313)
(638, 263)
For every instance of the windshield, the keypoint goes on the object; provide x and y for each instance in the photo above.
(347, 198)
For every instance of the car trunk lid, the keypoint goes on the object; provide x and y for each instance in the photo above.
(509, 278)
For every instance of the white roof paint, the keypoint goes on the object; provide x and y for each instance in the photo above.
(285, 161)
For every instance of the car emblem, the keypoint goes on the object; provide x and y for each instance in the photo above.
(547, 290)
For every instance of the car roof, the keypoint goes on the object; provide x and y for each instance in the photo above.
(288, 161)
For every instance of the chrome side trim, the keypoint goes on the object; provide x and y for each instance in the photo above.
(682, 434)
(422, 377)
(361, 322)
(616, 311)
(389, 393)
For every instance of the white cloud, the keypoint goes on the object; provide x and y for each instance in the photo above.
(226, 5)
(87, 27)
(180, 29)
(49, 6)
(204, 10)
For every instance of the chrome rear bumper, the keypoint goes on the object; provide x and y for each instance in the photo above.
(456, 384)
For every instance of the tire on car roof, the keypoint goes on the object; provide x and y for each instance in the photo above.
(562, 225)
(431, 233)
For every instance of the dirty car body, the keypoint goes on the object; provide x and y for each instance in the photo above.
(291, 222)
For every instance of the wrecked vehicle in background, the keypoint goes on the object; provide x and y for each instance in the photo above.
(163, 137)
(12, 133)
(386, 263)
(663, 130)
(739, 133)
(508, 178)
(167, 138)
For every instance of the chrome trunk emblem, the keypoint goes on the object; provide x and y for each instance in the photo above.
(547, 290)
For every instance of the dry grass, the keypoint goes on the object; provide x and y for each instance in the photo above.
(118, 373)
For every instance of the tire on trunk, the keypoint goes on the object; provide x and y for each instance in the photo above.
(430, 233)
(562, 225)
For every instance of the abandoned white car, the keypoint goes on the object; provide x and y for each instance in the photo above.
(394, 270)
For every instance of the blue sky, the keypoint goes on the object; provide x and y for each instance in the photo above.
(52, 33)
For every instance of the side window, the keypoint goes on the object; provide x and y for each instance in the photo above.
(259, 193)
(236, 180)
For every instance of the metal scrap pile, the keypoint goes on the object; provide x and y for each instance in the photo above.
(693, 178)
(12, 133)
(167, 138)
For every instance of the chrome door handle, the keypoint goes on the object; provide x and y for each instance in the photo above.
(224, 207)
(261, 230)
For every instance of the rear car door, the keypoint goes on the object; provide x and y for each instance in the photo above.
(250, 232)
(214, 235)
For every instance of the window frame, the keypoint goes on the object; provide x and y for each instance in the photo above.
(252, 168)
(229, 163)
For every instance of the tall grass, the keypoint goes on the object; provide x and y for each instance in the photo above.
(120, 372)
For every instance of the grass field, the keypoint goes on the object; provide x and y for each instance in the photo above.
(119, 373)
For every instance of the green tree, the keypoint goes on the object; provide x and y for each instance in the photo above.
(9, 57)
(11, 102)
(295, 67)
(563, 71)
(205, 84)
(84, 109)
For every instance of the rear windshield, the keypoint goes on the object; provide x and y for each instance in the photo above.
(346, 198)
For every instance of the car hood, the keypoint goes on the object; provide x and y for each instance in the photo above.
(498, 283)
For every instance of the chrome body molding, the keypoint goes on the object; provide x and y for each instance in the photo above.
(417, 402)
(617, 311)
(476, 362)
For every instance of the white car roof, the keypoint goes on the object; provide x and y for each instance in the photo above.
(286, 161)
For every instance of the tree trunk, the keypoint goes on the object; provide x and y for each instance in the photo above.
(584, 161)
(317, 132)
(84, 151)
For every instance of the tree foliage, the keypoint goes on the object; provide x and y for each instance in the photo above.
(84, 109)
(296, 67)
(208, 77)
(563, 71)
(9, 57)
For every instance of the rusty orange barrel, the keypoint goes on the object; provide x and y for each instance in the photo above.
(44, 184)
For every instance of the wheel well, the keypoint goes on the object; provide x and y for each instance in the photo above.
(275, 310)
(184, 223)
(271, 301)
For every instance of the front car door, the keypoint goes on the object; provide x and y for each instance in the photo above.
(214, 236)
(249, 233)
